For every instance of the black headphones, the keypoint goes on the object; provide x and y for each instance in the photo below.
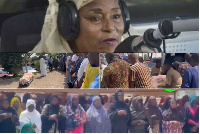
(68, 21)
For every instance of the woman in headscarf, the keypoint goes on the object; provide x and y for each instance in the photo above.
(16, 104)
(76, 116)
(24, 100)
(53, 116)
(154, 115)
(192, 116)
(120, 114)
(99, 30)
(30, 119)
(139, 120)
(173, 118)
(98, 120)
(165, 104)
(8, 118)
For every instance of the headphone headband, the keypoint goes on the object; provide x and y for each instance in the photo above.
(68, 20)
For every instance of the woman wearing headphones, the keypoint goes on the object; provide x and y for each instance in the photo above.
(83, 26)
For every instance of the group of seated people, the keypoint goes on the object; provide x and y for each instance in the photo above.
(100, 114)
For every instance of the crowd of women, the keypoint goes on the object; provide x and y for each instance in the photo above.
(100, 114)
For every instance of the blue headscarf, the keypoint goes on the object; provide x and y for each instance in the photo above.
(192, 99)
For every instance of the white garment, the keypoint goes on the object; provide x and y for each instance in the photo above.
(43, 67)
(82, 68)
(31, 117)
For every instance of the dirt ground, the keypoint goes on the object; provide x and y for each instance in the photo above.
(53, 79)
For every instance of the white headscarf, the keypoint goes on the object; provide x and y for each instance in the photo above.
(51, 41)
(31, 117)
(93, 112)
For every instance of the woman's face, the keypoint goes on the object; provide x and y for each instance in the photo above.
(54, 101)
(75, 101)
(16, 105)
(194, 103)
(97, 103)
(120, 96)
(31, 108)
(5, 104)
(139, 104)
(153, 101)
(173, 104)
(101, 26)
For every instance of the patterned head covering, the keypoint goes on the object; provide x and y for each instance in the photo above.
(51, 40)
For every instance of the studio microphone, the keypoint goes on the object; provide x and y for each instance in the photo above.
(152, 39)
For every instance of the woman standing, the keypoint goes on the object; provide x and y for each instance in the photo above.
(139, 123)
(173, 118)
(154, 115)
(16, 104)
(120, 114)
(30, 119)
(24, 100)
(75, 115)
(98, 120)
(53, 116)
(8, 118)
(192, 116)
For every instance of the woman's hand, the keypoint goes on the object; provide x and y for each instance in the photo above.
(194, 129)
(29, 128)
(197, 125)
(6, 115)
(174, 123)
(34, 126)
(122, 112)
(53, 117)
(141, 122)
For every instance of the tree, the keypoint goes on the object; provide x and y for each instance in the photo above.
(26, 58)
(12, 62)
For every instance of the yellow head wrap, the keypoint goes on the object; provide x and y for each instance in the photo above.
(14, 99)
(51, 41)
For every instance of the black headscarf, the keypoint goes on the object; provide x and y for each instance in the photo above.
(118, 103)
(173, 114)
(54, 109)
(26, 97)
(153, 109)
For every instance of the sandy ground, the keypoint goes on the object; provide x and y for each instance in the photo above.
(53, 79)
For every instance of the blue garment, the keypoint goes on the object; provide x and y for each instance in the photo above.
(191, 78)
(96, 83)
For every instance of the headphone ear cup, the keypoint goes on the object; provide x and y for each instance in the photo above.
(125, 15)
(67, 21)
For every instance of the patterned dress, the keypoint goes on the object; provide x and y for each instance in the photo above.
(140, 76)
(116, 75)
(77, 117)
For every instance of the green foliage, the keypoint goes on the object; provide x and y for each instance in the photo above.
(35, 58)
(37, 65)
(12, 62)
(146, 57)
